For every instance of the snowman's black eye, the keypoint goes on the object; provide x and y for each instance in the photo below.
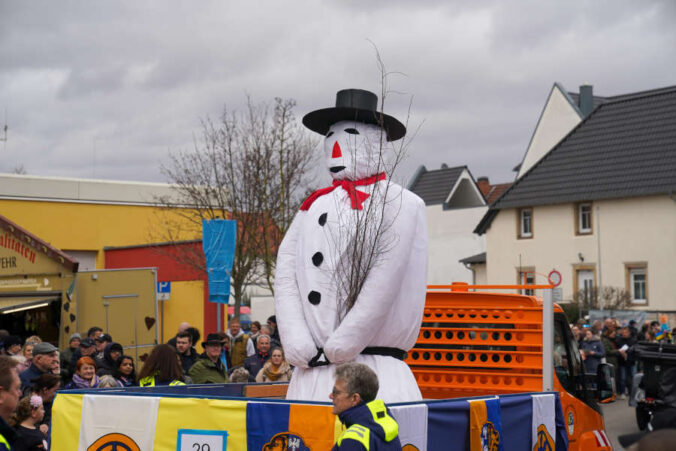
(351, 131)
(329, 134)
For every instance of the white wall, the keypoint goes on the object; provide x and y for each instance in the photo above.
(631, 230)
(558, 118)
(451, 239)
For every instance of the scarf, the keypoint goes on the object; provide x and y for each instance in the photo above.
(356, 197)
(79, 382)
(272, 373)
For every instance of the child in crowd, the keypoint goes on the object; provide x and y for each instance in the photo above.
(25, 421)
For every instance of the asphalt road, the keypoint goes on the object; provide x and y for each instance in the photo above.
(620, 419)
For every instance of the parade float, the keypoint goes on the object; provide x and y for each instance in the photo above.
(350, 286)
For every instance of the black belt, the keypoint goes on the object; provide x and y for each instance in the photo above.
(371, 350)
(383, 350)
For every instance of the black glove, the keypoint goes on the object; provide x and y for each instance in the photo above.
(315, 362)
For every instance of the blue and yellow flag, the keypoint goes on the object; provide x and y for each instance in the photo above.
(485, 426)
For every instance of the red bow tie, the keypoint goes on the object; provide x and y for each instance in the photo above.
(356, 197)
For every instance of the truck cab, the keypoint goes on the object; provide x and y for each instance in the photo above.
(480, 343)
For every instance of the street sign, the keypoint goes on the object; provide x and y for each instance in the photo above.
(554, 278)
(163, 291)
(201, 440)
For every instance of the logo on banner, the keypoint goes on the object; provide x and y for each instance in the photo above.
(490, 437)
(286, 441)
(114, 442)
(409, 447)
(545, 442)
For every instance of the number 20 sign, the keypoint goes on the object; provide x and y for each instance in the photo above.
(201, 440)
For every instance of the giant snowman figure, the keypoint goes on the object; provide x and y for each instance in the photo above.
(326, 315)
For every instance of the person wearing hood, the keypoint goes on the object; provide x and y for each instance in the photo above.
(209, 369)
(370, 425)
(241, 346)
(111, 353)
(592, 351)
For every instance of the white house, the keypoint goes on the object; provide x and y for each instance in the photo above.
(455, 204)
(600, 206)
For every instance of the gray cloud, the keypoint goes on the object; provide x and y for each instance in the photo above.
(107, 90)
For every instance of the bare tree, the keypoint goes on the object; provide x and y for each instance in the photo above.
(608, 298)
(367, 237)
(250, 166)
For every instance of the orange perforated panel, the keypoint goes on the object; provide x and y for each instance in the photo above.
(477, 343)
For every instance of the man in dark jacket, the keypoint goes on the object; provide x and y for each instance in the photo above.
(254, 363)
(185, 351)
(45, 355)
(626, 367)
(370, 425)
(209, 369)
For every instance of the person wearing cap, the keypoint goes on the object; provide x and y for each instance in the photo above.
(209, 369)
(101, 342)
(327, 311)
(45, 356)
(67, 355)
(87, 349)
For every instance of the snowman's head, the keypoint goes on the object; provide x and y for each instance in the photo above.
(355, 150)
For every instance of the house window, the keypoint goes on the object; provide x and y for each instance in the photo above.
(526, 223)
(527, 277)
(584, 219)
(637, 283)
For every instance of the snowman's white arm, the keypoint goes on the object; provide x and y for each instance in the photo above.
(366, 320)
(299, 346)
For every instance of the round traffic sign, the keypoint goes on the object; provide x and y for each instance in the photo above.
(554, 278)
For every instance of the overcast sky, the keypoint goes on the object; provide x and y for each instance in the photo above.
(108, 89)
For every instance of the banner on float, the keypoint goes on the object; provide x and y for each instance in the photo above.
(485, 425)
(543, 427)
(92, 422)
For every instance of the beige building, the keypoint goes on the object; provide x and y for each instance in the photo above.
(599, 207)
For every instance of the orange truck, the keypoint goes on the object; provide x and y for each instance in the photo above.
(478, 343)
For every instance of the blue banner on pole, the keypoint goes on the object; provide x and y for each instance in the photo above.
(218, 242)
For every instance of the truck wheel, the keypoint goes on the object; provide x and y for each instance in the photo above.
(642, 417)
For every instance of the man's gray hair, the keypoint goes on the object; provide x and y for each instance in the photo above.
(358, 378)
(263, 336)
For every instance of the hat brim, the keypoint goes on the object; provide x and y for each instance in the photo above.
(207, 343)
(320, 121)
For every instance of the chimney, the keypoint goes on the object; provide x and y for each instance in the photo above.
(586, 99)
(484, 185)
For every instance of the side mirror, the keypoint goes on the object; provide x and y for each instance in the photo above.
(605, 382)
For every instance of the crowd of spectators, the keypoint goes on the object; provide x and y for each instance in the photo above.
(610, 341)
(95, 360)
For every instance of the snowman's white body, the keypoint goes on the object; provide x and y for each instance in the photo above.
(388, 310)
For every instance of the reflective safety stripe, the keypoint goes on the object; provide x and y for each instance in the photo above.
(356, 432)
(149, 381)
(3, 441)
(380, 416)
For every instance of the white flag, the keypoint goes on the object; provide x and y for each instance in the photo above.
(121, 422)
(412, 420)
(544, 422)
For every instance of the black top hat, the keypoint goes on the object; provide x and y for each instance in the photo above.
(354, 105)
(212, 339)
